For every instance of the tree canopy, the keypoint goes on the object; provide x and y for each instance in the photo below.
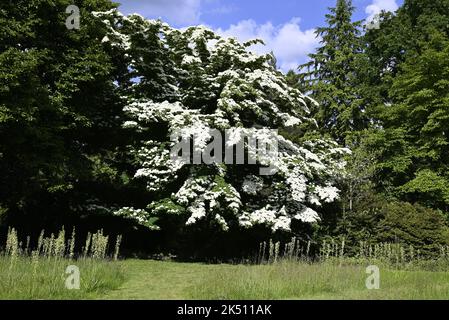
(213, 82)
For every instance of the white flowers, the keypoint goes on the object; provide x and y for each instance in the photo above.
(298, 186)
(307, 215)
(190, 60)
(140, 215)
(276, 220)
(328, 193)
(252, 185)
(200, 81)
(261, 216)
(197, 213)
(282, 223)
(291, 121)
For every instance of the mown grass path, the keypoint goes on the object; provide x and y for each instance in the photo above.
(148, 279)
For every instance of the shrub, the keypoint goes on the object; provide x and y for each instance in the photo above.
(415, 225)
(379, 221)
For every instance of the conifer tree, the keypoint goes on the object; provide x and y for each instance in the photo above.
(331, 74)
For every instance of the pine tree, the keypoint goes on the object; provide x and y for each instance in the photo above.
(331, 74)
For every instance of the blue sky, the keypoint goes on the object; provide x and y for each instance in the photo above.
(286, 26)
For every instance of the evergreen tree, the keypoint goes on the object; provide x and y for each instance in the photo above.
(331, 74)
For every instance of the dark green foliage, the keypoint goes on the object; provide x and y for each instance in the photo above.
(380, 221)
(63, 154)
(331, 75)
(60, 113)
(423, 228)
(401, 83)
(410, 59)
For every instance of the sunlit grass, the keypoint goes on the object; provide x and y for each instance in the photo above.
(42, 272)
(302, 280)
(147, 279)
(44, 278)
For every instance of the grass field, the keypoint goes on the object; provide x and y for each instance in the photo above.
(51, 272)
(149, 279)
(41, 273)
(44, 278)
(284, 280)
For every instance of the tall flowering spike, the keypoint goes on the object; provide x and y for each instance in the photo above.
(217, 83)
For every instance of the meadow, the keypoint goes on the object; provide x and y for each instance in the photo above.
(41, 274)
(47, 271)
(282, 280)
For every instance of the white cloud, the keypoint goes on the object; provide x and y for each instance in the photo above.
(180, 12)
(378, 5)
(290, 44)
(224, 9)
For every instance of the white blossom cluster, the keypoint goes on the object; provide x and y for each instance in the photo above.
(215, 82)
(252, 185)
(139, 215)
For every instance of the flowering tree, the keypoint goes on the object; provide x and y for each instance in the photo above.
(192, 80)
